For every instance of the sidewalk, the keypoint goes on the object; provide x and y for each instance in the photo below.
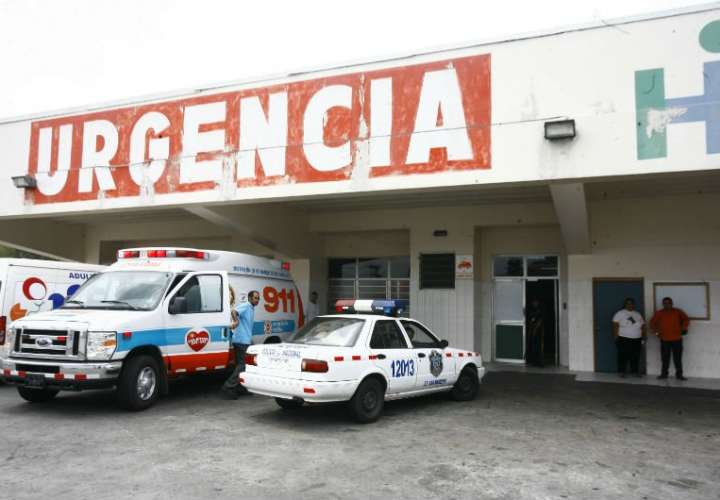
(609, 378)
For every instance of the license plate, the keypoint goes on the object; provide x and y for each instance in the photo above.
(34, 380)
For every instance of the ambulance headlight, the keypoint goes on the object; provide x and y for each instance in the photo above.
(10, 338)
(100, 345)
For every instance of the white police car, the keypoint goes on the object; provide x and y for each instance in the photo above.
(363, 356)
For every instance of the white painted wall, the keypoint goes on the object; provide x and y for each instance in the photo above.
(670, 238)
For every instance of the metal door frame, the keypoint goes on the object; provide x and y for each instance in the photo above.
(525, 278)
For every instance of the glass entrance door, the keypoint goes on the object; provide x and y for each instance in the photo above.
(509, 320)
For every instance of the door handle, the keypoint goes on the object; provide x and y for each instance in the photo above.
(421, 355)
(381, 356)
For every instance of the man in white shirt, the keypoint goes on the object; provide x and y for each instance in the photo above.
(312, 307)
(628, 328)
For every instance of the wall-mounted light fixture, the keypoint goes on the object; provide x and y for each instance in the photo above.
(559, 129)
(24, 182)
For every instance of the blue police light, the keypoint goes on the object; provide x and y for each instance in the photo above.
(384, 307)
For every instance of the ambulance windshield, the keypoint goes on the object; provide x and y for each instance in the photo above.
(336, 332)
(129, 290)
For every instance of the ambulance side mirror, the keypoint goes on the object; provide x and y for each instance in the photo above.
(178, 305)
(444, 344)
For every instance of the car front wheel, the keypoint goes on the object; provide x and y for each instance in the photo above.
(367, 403)
(467, 385)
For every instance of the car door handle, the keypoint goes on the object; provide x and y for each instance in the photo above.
(381, 356)
(421, 355)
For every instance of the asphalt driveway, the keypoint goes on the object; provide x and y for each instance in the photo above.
(526, 436)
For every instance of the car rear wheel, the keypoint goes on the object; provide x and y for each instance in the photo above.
(367, 403)
(37, 395)
(467, 385)
(288, 404)
(139, 384)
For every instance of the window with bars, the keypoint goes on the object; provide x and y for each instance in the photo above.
(368, 278)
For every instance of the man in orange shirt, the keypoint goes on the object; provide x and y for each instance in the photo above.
(670, 324)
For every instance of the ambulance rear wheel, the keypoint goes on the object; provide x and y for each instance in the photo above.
(367, 403)
(467, 386)
(37, 395)
(288, 404)
(139, 384)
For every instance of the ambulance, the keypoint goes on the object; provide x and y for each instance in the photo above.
(155, 314)
(30, 286)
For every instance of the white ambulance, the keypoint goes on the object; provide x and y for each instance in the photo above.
(155, 314)
(30, 286)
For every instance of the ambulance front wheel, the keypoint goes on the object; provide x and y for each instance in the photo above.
(37, 395)
(367, 403)
(139, 384)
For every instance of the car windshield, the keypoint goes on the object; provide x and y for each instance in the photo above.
(131, 290)
(330, 331)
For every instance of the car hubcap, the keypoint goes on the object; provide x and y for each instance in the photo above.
(370, 400)
(146, 383)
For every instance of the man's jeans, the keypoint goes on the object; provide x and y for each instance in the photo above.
(676, 348)
(232, 383)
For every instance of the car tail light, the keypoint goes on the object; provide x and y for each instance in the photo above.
(251, 359)
(3, 324)
(314, 365)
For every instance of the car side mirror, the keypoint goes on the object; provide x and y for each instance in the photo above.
(178, 305)
(444, 344)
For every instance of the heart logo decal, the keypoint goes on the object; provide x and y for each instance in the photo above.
(197, 340)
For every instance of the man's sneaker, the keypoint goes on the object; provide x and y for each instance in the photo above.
(680, 377)
(662, 377)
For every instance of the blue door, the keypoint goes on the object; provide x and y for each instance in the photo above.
(608, 297)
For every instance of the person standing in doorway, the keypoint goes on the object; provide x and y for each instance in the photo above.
(535, 326)
(670, 324)
(312, 307)
(628, 327)
(241, 340)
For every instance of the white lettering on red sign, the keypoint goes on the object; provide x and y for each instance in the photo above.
(427, 118)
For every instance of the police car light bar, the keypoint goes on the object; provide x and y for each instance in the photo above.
(384, 307)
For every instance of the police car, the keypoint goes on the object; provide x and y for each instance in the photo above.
(363, 355)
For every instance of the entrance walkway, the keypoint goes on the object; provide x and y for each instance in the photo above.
(610, 378)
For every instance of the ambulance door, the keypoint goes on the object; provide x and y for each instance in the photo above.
(390, 351)
(434, 367)
(197, 323)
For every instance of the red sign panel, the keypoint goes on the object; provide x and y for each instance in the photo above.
(425, 118)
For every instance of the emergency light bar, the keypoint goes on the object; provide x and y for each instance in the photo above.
(164, 253)
(384, 307)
